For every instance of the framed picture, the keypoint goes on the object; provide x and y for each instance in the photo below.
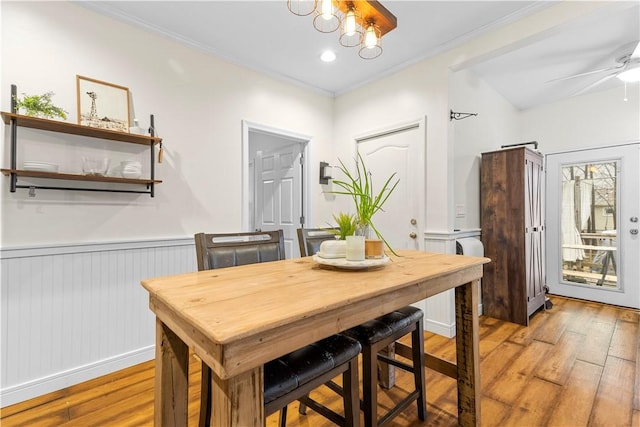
(102, 105)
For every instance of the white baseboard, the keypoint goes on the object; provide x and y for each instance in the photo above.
(60, 380)
(448, 331)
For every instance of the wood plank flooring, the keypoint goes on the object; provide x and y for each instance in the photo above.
(577, 364)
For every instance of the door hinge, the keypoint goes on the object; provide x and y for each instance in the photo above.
(302, 220)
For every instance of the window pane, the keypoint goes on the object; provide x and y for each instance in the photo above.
(589, 216)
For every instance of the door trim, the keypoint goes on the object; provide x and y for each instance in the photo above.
(627, 270)
(306, 140)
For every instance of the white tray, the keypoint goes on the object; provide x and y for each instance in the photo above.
(351, 265)
(331, 256)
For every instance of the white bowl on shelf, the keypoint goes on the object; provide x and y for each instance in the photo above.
(131, 169)
(132, 164)
(131, 174)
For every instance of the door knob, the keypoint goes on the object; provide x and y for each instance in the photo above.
(414, 235)
(633, 219)
(413, 221)
(633, 231)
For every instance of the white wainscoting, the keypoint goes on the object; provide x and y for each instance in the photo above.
(74, 312)
(440, 314)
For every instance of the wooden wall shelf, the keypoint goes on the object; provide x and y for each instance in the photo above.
(15, 120)
(74, 129)
(78, 177)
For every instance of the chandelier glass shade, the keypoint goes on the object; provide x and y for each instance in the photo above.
(302, 7)
(362, 23)
(350, 29)
(371, 45)
(327, 19)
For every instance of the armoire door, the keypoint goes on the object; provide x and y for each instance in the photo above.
(534, 231)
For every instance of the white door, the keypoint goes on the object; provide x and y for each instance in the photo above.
(593, 206)
(400, 150)
(278, 189)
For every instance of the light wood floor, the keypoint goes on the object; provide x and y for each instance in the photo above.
(577, 364)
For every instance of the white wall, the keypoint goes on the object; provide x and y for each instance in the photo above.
(496, 124)
(198, 102)
(593, 120)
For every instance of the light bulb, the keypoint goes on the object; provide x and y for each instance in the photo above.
(328, 56)
(327, 9)
(350, 23)
(370, 38)
(631, 75)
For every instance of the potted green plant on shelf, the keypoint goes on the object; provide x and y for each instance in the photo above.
(359, 186)
(39, 106)
(346, 225)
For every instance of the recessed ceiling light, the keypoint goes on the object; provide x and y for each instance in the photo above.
(328, 56)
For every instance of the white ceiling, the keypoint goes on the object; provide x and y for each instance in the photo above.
(265, 36)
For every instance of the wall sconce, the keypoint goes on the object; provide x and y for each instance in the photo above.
(325, 173)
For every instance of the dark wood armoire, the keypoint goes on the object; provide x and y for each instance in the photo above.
(512, 221)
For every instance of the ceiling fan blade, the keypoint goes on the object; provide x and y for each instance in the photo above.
(636, 51)
(573, 76)
(594, 84)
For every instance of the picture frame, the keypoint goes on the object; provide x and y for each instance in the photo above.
(102, 105)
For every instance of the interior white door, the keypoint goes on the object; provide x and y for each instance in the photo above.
(278, 193)
(593, 206)
(399, 150)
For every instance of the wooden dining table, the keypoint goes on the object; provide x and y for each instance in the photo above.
(236, 319)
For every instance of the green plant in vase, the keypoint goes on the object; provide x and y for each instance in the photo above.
(359, 186)
(39, 106)
(346, 225)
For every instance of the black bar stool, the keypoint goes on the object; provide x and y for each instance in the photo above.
(294, 375)
(376, 335)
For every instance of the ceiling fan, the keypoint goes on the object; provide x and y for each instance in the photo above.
(627, 67)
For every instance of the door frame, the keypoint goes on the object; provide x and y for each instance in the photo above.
(554, 276)
(305, 140)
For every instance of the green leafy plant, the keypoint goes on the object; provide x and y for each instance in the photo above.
(40, 105)
(359, 186)
(346, 225)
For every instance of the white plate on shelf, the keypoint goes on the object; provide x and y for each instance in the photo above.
(40, 166)
(351, 265)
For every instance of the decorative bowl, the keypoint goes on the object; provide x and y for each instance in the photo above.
(131, 174)
(97, 166)
(333, 249)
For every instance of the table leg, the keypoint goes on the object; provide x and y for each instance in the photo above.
(467, 354)
(238, 401)
(171, 378)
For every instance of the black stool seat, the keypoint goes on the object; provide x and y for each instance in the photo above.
(293, 370)
(385, 326)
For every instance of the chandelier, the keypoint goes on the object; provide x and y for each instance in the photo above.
(362, 23)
